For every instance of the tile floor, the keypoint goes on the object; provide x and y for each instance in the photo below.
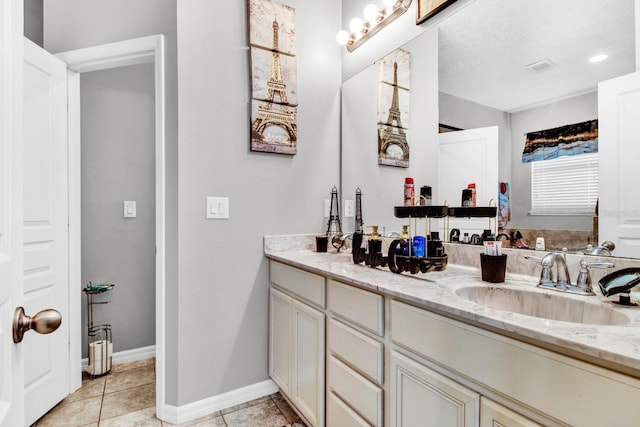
(126, 397)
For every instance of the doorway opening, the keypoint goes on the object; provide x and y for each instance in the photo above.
(118, 213)
(146, 50)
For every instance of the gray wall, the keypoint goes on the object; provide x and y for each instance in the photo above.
(464, 114)
(33, 20)
(223, 312)
(637, 11)
(382, 186)
(118, 155)
(572, 110)
(217, 276)
(73, 24)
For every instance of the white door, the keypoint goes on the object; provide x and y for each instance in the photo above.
(45, 228)
(11, 365)
(464, 157)
(619, 127)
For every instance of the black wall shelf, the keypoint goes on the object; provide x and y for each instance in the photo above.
(443, 211)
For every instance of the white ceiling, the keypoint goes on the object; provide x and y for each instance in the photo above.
(485, 47)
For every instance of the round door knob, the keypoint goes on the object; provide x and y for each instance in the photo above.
(45, 322)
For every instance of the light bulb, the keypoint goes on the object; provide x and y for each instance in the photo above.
(371, 13)
(342, 37)
(389, 3)
(355, 25)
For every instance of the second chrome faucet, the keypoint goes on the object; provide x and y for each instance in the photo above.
(561, 281)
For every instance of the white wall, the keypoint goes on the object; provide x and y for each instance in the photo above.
(223, 307)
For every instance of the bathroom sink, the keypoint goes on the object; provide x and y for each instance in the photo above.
(544, 305)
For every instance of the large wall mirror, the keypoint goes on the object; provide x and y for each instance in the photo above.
(521, 65)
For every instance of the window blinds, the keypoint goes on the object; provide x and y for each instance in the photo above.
(565, 186)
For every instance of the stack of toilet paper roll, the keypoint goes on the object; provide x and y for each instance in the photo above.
(100, 353)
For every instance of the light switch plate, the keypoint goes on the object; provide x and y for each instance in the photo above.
(348, 209)
(129, 208)
(327, 208)
(217, 208)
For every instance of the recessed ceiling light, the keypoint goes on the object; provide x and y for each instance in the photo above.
(598, 58)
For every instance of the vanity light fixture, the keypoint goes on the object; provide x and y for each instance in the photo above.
(598, 58)
(375, 18)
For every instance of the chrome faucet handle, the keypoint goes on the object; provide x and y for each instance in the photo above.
(584, 278)
(546, 275)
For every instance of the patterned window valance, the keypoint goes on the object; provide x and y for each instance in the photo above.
(568, 140)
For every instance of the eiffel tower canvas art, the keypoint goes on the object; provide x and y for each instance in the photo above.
(274, 100)
(393, 109)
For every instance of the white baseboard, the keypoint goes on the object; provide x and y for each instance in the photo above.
(126, 356)
(191, 411)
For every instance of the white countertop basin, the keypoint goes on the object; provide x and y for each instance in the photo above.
(544, 304)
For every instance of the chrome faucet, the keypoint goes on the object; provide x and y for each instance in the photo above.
(339, 241)
(562, 271)
(561, 281)
(604, 249)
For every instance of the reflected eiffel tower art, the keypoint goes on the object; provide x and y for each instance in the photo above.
(393, 148)
(274, 117)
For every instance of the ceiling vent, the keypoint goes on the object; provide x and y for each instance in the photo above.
(538, 66)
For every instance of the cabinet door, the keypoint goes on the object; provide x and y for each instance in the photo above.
(280, 312)
(423, 397)
(308, 362)
(493, 414)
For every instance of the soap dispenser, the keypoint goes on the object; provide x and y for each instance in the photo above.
(375, 240)
(405, 232)
(403, 249)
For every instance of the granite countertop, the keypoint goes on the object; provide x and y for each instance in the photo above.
(612, 346)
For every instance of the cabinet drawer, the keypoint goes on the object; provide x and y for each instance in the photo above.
(361, 307)
(308, 286)
(363, 353)
(339, 413)
(359, 393)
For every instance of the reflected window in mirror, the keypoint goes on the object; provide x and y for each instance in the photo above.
(565, 186)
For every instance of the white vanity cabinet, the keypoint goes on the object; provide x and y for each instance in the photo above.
(391, 363)
(296, 339)
(547, 387)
